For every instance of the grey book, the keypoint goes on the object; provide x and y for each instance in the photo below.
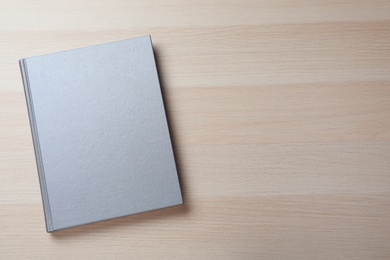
(100, 133)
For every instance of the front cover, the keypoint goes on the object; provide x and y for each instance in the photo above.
(102, 140)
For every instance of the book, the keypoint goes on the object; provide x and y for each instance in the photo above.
(100, 133)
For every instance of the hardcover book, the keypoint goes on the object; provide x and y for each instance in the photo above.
(100, 133)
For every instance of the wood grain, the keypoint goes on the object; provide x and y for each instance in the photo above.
(280, 118)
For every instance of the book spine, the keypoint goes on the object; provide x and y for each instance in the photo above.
(37, 149)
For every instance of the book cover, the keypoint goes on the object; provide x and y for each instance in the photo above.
(100, 133)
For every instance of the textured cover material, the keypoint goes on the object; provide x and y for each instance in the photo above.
(100, 133)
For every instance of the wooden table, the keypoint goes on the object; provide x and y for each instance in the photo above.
(280, 115)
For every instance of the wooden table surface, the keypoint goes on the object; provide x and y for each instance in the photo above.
(280, 117)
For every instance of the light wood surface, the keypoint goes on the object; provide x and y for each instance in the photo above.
(280, 115)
